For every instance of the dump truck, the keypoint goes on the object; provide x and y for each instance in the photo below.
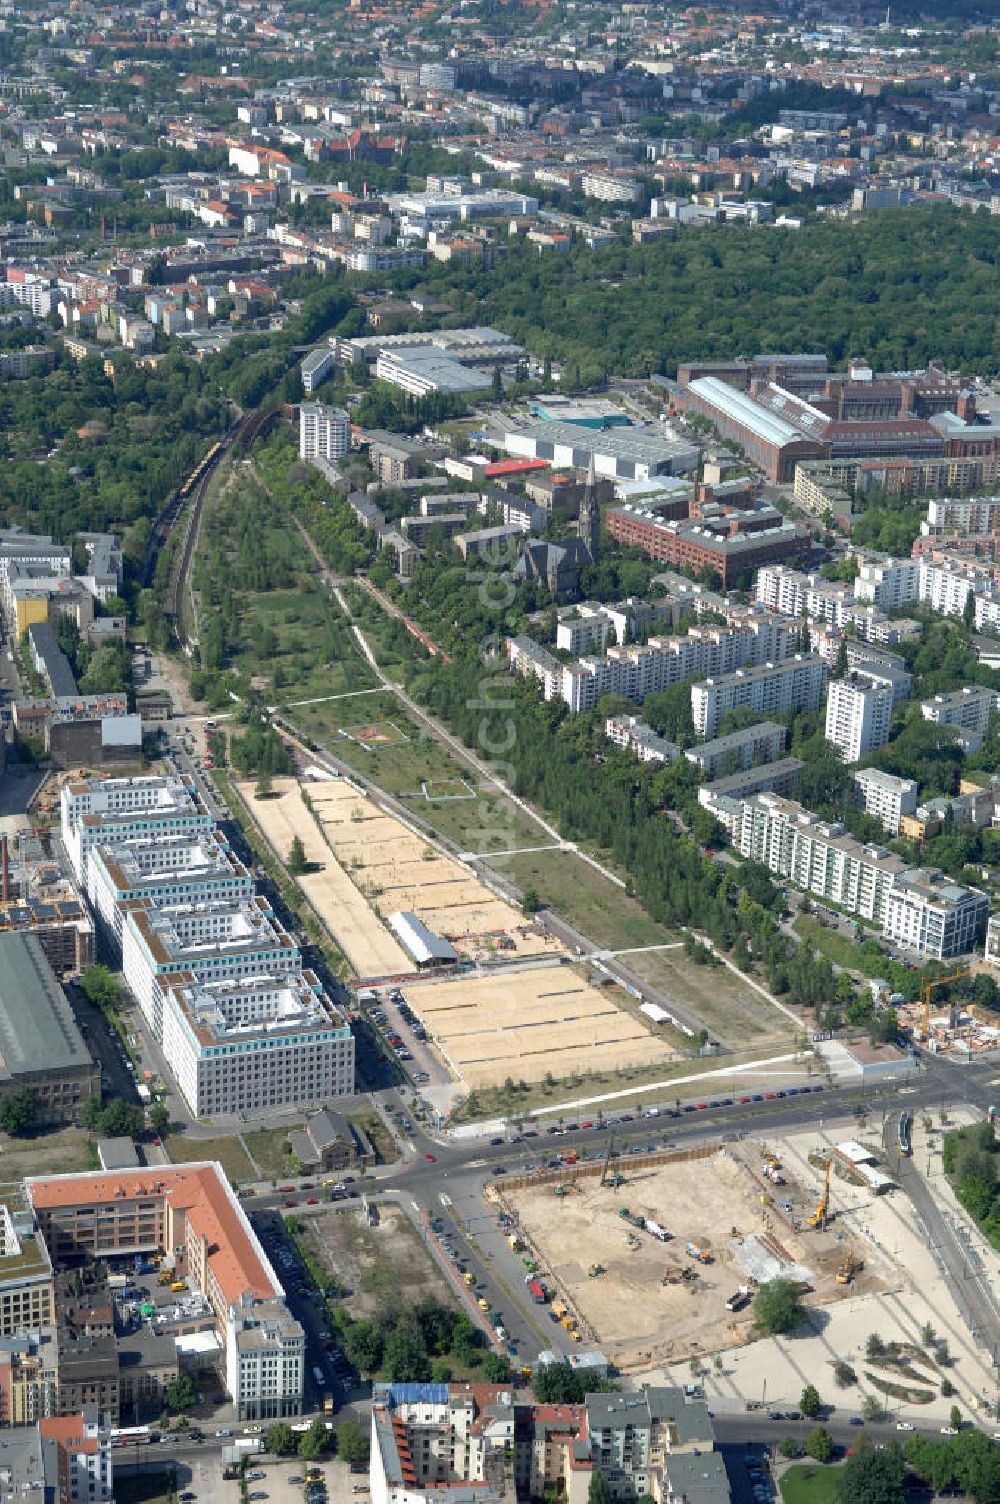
(569, 1322)
(631, 1217)
(537, 1291)
(514, 1242)
(701, 1255)
(559, 1309)
(657, 1230)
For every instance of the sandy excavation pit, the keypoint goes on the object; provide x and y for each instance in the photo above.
(712, 1201)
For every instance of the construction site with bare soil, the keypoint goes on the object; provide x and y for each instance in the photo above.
(656, 1257)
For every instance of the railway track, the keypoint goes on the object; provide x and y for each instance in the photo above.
(195, 490)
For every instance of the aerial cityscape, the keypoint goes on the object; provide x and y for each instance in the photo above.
(500, 757)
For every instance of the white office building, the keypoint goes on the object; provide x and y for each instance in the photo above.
(324, 432)
(109, 811)
(265, 1358)
(209, 942)
(316, 367)
(817, 856)
(858, 715)
(770, 689)
(179, 869)
(247, 1044)
(928, 913)
(885, 797)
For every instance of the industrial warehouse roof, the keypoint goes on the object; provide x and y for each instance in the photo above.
(37, 1028)
(418, 941)
(624, 443)
(745, 411)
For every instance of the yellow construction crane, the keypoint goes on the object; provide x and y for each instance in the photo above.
(818, 1218)
(954, 976)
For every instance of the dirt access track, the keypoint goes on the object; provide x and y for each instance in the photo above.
(709, 1197)
(525, 1024)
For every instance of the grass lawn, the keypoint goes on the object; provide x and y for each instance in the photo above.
(267, 1145)
(726, 1003)
(571, 887)
(59, 1152)
(841, 949)
(226, 1149)
(809, 1483)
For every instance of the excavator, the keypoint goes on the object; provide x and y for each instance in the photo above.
(818, 1218)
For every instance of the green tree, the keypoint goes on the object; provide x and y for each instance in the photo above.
(557, 1384)
(819, 1444)
(496, 1370)
(873, 1476)
(790, 1447)
(955, 1418)
(844, 1374)
(101, 988)
(121, 1120)
(778, 1307)
(281, 1440)
(598, 1491)
(17, 1111)
(158, 1117)
(530, 901)
(313, 1443)
(180, 1394)
(872, 1408)
(406, 1359)
(810, 1403)
(296, 858)
(353, 1444)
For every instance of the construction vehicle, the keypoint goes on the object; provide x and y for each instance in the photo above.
(739, 1299)
(954, 976)
(469, 1278)
(567, 1321)
(700, 1255)
(632, 1242)
(607, 1161)
(559, 1309)
(561, 1191)
(848, 1269)
(530, 1264)
(632, 1218)
(772, 1160)
(657, 1230)
(165, 1277)
(514, 1242)
(678, 1274)
(596, 1270)
(774, 1175)
(819, 1216)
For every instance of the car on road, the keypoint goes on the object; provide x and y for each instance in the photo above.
(312, 1201)
(431, 1159)
(903, 1425)
(256, 1475)
(495, 1141)
(855, 1420)
(949, 1431)
(291, 1201)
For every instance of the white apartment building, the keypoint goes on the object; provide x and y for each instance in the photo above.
(968, 708)
(816, 856)
(632, 733)
(930, 914)
(858, 715)
(83, 1472)
(213, 941)
(324, 432)
(639, 669)
(109, 811)
(969, 515)
(988, 611)
(247, 1044)
(889, 583)
(179, 869)
(885, 797)
(316, 367)
(945, 586)
(770, 689)
(992, 952)
(610, 188)
(761, 743)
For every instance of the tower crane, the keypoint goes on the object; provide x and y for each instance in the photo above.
(954, 976)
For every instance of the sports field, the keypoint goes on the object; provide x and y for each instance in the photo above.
(397, 870)
(528, 1024)
(368, 945)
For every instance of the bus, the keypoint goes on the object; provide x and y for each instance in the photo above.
(131, 1436)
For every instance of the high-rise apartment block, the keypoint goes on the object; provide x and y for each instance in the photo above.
(324, 432)
(858, 715)
(770, 689)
